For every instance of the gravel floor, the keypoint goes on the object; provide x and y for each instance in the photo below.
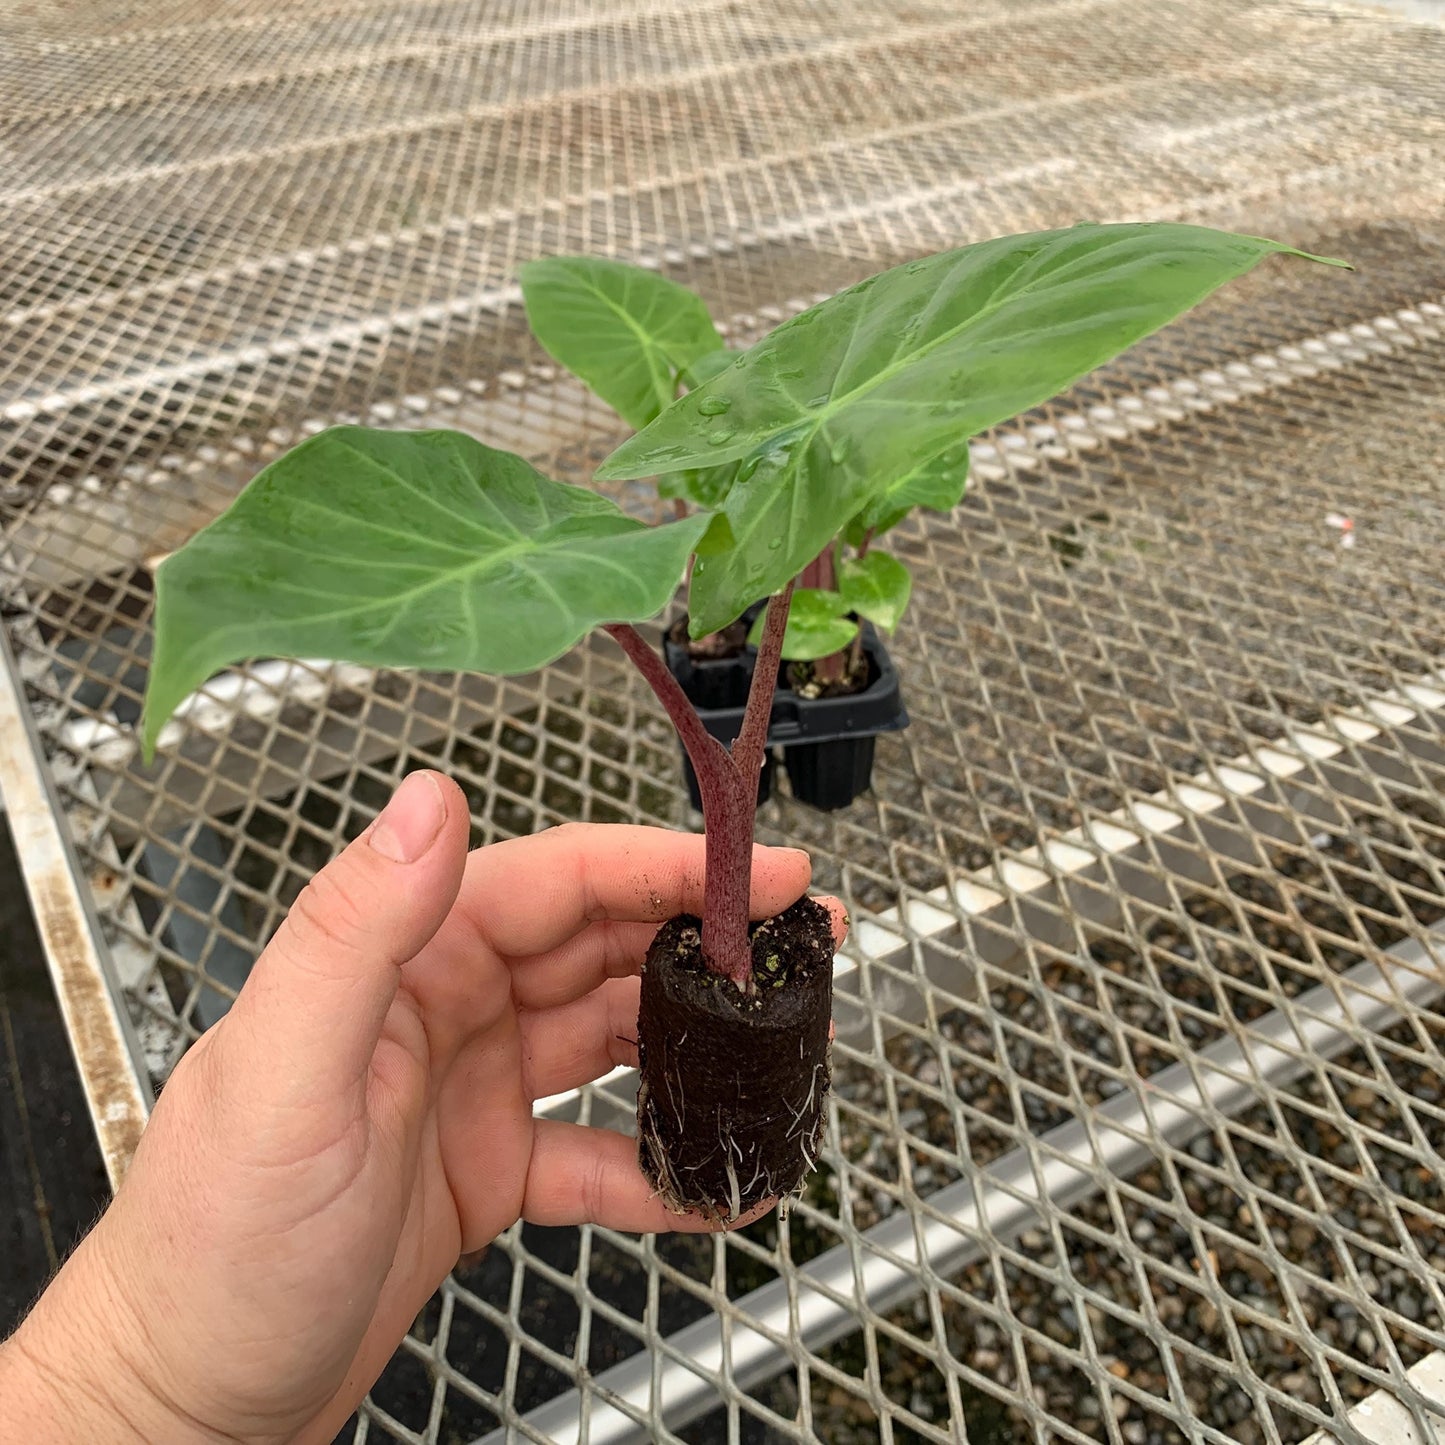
(1249, 1206)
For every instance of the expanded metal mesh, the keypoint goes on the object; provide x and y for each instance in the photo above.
(1141, 1075)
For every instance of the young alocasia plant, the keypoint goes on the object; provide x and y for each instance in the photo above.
(429, 549)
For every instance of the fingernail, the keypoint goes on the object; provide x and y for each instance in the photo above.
(409, 824)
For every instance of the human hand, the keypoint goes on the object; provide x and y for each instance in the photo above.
(360, 1119)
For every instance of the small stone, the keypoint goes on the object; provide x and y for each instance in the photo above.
(1135, 1433)
(1033, 1240)
(1119, 1370)
(986, 1361)
(1121, 1407)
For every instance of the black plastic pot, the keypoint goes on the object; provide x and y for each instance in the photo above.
(831, 762)
(827, 742)
(718, 688)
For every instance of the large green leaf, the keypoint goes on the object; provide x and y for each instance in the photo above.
(876, 587)
(838, 403)
(403, 549)
(628, 333)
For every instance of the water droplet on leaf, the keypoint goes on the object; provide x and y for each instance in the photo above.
(840, 450)
(774, 544)
(714, 405)
(721, 435)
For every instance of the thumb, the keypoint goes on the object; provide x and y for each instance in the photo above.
(311, 1013)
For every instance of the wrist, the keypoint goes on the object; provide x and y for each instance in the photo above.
(77, 1371)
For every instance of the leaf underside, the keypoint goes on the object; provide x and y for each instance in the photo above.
(840, 402)
(938, 484)
(403, 549)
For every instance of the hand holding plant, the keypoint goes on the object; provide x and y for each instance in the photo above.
(427, 549)
(363, 1116)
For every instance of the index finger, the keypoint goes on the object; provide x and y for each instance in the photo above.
(528, 895)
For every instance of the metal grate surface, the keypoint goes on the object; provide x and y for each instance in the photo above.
(1141, 1059)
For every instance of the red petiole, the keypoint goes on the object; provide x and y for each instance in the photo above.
(728, 784)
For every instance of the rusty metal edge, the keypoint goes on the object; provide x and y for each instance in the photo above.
(107, 1052)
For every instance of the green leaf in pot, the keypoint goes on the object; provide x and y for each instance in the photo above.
(818, 626)
(877, 587)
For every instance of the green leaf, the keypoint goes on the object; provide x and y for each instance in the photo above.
(818, 626)
(403, 549)
(876, 587)
(708, 366)
(937, 483)
(706, 487)
(626, 332)
(842, 401)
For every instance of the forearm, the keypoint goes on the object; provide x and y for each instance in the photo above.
(74, 1372)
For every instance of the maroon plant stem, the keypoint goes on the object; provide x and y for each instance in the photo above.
(725, 944)
(865, 544)
(709, 757)
(728, 785)
(753, 735)
(727, 810)
(820, 573)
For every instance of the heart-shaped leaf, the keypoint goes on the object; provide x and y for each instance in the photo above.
(627, 332)
(818, 626)
(937, 484)
(403, 549)
(841, 401)
(877, 587)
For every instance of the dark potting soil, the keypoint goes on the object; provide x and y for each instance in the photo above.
(802, 677)
(730, 1102)
(715, 646)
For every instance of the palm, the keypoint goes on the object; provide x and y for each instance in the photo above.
(363, 1115)
(496, 1011)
